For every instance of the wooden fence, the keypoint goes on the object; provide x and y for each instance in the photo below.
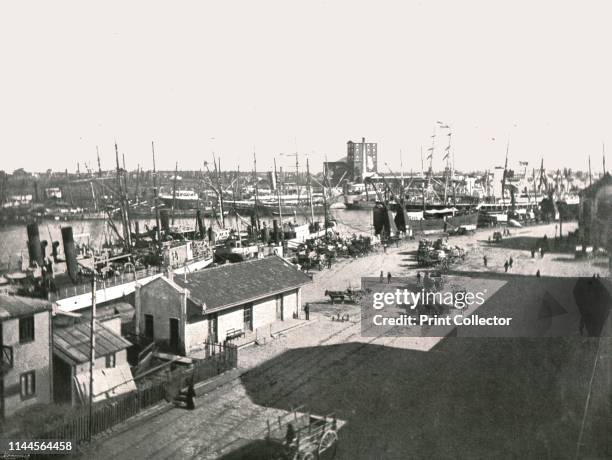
(109, 413)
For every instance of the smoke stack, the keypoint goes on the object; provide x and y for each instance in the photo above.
(201, 228)
(164, 217)
(70, 253)
(276, 231)
(34, 249)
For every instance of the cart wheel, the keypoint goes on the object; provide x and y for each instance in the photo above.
(329, 441)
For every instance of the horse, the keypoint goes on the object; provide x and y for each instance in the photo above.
(333, 295)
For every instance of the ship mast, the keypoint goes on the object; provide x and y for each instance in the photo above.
(256, 189)
(156, 197)
(123, 204)
(448, 168)
(220, 189)
(422, 180)
(503, 188)
(280, 210)
(309, 188)
(325, 182)
(174, 190)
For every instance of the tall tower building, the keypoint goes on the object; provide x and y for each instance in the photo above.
(362, 159)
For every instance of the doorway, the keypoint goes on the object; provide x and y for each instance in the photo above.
(174, 334)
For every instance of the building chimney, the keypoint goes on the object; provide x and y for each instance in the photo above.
(183, 320)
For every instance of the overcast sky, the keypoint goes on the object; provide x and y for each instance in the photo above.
(283, 76)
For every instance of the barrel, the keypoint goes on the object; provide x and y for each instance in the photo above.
(43, 248)
(34, 248)
(70, 253)
(55, 250)
(266, 235)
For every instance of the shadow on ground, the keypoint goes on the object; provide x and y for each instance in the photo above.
(527, 243)
(467, 398)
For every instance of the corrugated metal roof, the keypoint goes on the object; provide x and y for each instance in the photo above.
(72, 343)
(234, 284)
(17, 306)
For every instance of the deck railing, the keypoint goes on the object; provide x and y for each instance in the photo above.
(116, 280)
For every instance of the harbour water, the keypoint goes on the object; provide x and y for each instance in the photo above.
(13, 238)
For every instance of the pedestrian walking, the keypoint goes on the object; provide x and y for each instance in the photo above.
(385, 248)
(418, 278)
(542, 252)
(388, 277)
(329, 262)
(307, 311)
(510, 262)
(538, 274)
(506, 264)
(484, 260)
(489, 239)
(189, 397)
(532, 253)
(381, 276)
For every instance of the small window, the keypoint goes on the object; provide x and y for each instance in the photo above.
(110, 360)
(28, 384)
(26, 329)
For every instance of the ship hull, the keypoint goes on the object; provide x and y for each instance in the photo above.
(272, 209)
(439, 225)
(182, 203)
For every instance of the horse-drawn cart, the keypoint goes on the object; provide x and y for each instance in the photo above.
(303, 436)
(350, 294)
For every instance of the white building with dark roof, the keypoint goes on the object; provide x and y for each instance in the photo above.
(26, 340)
(218, 304)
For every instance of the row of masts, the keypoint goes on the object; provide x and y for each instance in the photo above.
(214, 181)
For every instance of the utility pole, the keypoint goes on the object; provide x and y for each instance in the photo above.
(92, 348)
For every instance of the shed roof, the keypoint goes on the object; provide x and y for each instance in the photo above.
(16, 306)
(72, 344)
(234, 284)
